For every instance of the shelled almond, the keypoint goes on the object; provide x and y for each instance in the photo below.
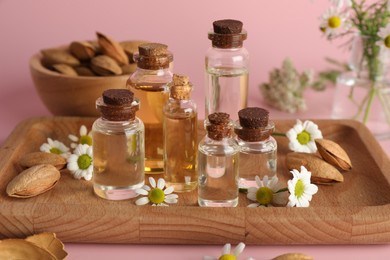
(104, 57)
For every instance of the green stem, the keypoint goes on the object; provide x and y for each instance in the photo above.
(369, 103)
(278, 134)
(282, 190)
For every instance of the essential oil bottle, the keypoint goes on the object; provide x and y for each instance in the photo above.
(258, 149)
(149, 84)
(180, 136)
(118, 146)
(218, 163)
(227, 69)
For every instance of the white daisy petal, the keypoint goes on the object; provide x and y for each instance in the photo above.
(251, 196)
(142, 192)
(142, 201)
(83, 130)
(169, 190)
(171, 196)
(226, 249)
(146, 187)
(253, 205)
(73, 138)
(161, 183)
(238, 250)
(152, 182)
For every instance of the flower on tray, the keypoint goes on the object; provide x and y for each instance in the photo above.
(56, 147)
(300, 188)
(302, 136)
(85, 137)
(156, 193)
(266, 193)
(227, 255)
(80, 163)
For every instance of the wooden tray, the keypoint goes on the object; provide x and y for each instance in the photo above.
(354, 212)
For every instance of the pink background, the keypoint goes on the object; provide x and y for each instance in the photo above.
(276, 30)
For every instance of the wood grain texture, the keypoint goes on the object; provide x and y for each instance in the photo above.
(354, 212)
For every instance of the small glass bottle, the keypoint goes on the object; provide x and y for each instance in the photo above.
(180, 136)
(118, 146)
(218, 163)
(257, 146)
(227, 67)
(149, 84)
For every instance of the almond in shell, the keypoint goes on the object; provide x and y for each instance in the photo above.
(334, 154)
(105, 66)
(65, 69)
(84, 71)
(112, 49)
(36, 158)
(33, 181)
(131, 48)
(59, 56)
(321, 171)
(82, 50)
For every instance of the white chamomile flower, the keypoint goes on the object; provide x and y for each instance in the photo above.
(334, 22)
(227, 255)
(85, 137)
(56, 147)
(156, 193)
(302, 137)
(80, 163)
(384, 34)
(265, 194)
(300, 188)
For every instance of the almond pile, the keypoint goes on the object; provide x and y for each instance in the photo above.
(104, 57)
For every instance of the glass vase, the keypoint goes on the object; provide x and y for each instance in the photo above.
(363, 93)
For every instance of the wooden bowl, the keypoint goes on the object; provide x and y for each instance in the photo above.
(70, 95)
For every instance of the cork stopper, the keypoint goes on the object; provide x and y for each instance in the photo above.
(254, 124)
(117, 105)
(153, 56)
(227, 26)
(227, 34)
(218, 126)
(253, 117)
(180, 87)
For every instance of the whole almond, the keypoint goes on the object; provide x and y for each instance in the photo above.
(129, 68)
(84, 71)
(82, 50)
(59, 56)
(321, 171)
(65, 69)
(105, 66)
(112, 49)
(293, 256)
(334, 154)
(33, 181)
(36, 158)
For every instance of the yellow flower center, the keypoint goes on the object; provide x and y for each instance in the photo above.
(334, 22)
(303, 137)
(85, 139)
(156, 196)
(299, 188)
(387, 41)
(55, 150)
(227, 257)
(264, 195)
(84, 161)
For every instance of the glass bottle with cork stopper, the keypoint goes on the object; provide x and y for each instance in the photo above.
(218, 163)
(118, 146)
(227, 67)
(149, 84)
(180, 136)
(258, 149)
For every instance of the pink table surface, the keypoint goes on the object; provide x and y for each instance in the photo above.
(319, 106)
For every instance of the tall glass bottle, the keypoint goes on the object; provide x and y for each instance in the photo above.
(180, 136)
(257, 146)
(218, 164)
(118, 146)
(149, 84)
(227, 66)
